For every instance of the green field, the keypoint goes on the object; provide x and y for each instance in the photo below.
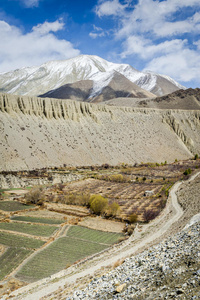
(38, 230)
(37, 220)
(14, 240)
(79, 243)
(13, 206)
(92, 235)
(11, 259)
(57, 256)
(19, 248)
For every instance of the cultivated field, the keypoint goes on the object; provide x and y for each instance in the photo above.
(36, 220)
(11, 259)
(79, 243)
(92, 235)
(19, 241)
(32, 229)
(59, 228)
(17, 249)
(13, 206)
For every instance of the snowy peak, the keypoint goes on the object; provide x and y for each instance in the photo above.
(35, 81)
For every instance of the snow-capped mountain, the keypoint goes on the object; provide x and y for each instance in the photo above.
(35, 81)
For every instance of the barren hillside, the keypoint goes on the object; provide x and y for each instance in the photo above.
(182, 99)
(38, 133)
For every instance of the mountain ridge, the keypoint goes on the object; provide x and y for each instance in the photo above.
(34, 81)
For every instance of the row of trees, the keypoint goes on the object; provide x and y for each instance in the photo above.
(97, 203)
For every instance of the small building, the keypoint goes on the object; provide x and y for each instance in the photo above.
(148, 193)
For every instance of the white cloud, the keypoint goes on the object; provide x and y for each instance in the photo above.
(147, 50)
(153, 17)
(157, 33)
(47, 27)
(197, 43)
(94, 35)
(98, 32)
(30, 3)
(109, 8)
(34, 48)
(183, 65)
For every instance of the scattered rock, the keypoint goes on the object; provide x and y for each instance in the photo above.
(120, 288)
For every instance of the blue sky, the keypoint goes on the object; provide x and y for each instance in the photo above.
(161, 36)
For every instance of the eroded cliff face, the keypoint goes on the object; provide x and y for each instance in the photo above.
(38, 133)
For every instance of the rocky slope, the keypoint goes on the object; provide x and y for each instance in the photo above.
(35, 81)
(38, 133)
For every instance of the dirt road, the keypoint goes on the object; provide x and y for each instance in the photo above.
(143, 237)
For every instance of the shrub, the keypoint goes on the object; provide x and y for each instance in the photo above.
(98, 204)
(150, 214)
(130, 230)
(114, 209)
(187, 171)
(144, 179)
(133, 218)
(116, 178)
(196, 156)
(35, 196)
(77, 199)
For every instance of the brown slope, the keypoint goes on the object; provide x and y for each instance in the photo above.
(163, 86)
(182, 99)
(120, 86)
(79, 91)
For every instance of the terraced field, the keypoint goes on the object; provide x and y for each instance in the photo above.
(92, 235)
(13, 206)
(36, 220)
(79, 243)
(57, 223)
(11, 259)
(59, 255)
(19, 241)
(19, 247)
(33, 229)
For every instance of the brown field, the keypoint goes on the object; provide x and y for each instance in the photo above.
(126, 185)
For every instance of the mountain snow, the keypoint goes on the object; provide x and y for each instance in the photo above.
(51, 75)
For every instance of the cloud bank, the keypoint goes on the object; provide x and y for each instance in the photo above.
(33, 48)
(163, 35)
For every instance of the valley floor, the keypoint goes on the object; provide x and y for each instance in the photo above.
(172, 220)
